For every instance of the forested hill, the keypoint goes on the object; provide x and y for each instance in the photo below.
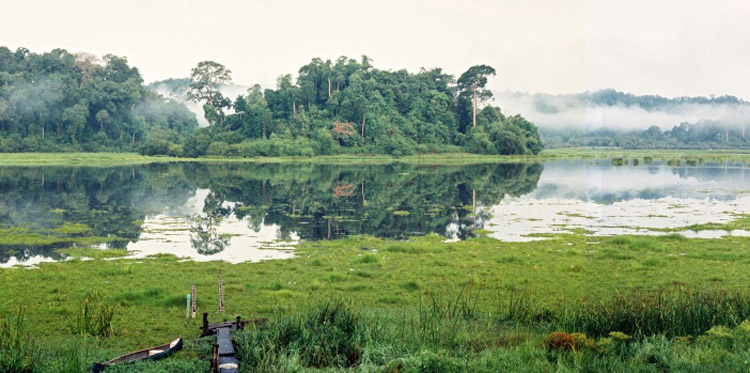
(60, 101)
(348, 106)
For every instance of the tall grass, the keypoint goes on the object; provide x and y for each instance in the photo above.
(16, 351)
(93, 318)
(448, 333)
(329, 336)
(671, 312)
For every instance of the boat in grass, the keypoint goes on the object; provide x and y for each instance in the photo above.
(153, 353)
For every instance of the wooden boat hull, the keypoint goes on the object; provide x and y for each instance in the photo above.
(153, 353)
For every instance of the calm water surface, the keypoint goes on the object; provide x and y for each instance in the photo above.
(245, 212)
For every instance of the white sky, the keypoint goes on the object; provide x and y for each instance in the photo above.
(667, 47)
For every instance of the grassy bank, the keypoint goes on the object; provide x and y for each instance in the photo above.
(492, 291)
(120, 159)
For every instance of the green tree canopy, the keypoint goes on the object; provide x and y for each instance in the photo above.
(472, 83)
(205, 80)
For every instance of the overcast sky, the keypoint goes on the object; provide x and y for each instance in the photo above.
(666, 47)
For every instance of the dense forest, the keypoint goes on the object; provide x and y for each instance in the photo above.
(58, 101)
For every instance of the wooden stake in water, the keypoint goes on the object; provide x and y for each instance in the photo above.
(193, 299)
(221, 294)
(187, 307)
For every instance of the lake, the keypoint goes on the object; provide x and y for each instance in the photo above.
(238, 212)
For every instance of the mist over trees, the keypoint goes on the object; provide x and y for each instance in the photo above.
(60, 101)
(618, 119)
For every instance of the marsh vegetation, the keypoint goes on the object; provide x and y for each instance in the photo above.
(394, 266)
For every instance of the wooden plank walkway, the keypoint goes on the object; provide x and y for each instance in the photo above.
(225, 355)
(224, 340)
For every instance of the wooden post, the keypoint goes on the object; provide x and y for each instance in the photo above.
(239, 323)
(221, 294)
(215, 362)
(205, 323)
(194, 300)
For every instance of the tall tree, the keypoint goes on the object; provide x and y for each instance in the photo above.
(472, 82)
(205, 80)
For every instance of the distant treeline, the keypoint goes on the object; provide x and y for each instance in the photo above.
(58, 101)
(551, 104)
(702, 135)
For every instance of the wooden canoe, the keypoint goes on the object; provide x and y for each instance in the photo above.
(153, 353)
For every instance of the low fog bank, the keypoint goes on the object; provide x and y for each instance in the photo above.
(610, 109)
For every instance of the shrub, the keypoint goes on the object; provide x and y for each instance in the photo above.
(218, 148)
(560, 341)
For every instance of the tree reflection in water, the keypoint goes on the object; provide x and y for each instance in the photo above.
(205, 238)
(301, 200)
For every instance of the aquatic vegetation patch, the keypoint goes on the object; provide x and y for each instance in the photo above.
(65, 236)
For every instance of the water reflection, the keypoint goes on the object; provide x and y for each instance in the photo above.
(241, 212)
(608, 200)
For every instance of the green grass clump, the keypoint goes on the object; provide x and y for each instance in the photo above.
(328, 337)
(671, 312)
(409, 285)
(369, 259)
(646, 244)
(622, 240)
(94, 318)
(16, 353)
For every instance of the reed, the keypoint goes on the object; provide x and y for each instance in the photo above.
(16, 352)
(671, 311)
(329, 336)
(94, 317)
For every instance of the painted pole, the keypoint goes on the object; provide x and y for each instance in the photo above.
(187, 307)
(221, 294)
(193, 299)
